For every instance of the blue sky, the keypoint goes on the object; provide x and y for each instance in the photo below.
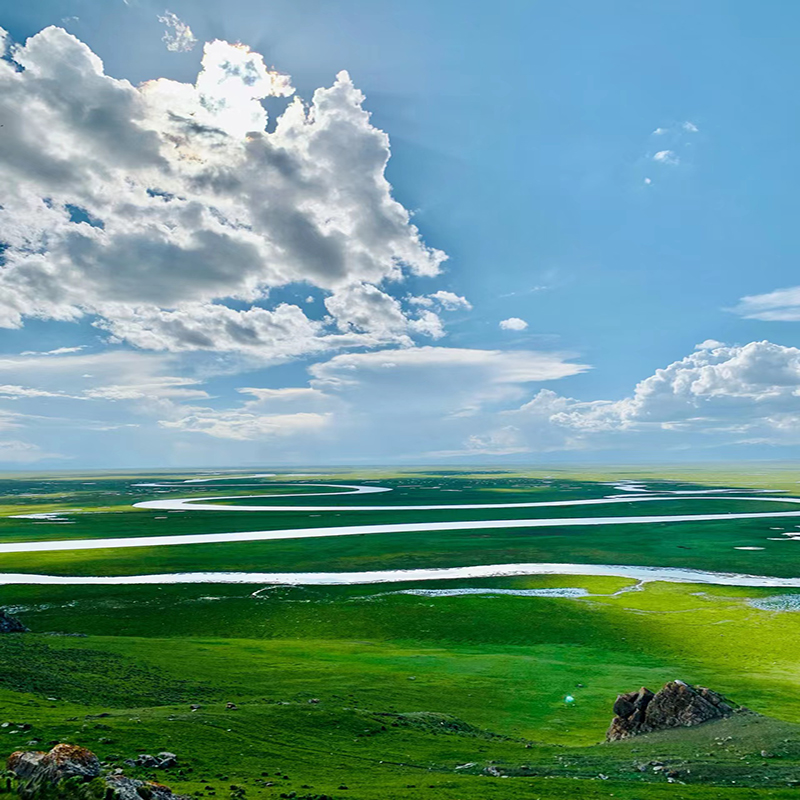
(612, 185)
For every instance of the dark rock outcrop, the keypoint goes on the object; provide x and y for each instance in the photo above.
(38, 770)
(9, 624)
(630, 711)
(677, 705)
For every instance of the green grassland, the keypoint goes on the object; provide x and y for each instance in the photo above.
(106, 511)
(407, 687)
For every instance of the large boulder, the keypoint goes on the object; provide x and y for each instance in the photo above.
(71, 761)
(676, 705)
(63, 761)
(9, 624)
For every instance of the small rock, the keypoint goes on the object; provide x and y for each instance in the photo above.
(146, 760)
(9, 624)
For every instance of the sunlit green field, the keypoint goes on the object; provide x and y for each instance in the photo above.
(409, 686)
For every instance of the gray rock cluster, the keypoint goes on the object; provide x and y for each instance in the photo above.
(67, 761)
(676, 705)
(126, 788)
(163, 760)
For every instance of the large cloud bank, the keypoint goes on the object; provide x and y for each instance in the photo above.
(449, 402)
(150, 209)
(408, 403)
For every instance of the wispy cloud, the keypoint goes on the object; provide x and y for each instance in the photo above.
(530, 290)
(687, 126)
(59, 351)
(178, 37)
(13, 392)
(667, 157)
(782, 305)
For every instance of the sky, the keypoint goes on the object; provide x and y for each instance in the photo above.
(349, 232)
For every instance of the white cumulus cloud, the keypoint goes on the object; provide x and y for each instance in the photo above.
(513, 324)
(450, 301)
(719, 395)
(159, 210)
(738, 392)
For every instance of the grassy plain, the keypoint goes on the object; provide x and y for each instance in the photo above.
(409, 686)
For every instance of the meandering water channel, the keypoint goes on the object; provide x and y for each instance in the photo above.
(392, 576)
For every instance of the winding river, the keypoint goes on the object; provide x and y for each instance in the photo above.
(217, 504)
